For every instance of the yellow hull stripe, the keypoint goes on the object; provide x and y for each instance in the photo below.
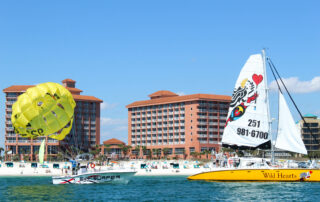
(281, 175)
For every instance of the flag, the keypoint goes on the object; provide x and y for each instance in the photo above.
(41, 151)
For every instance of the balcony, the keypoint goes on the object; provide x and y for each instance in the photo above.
(10, 135)
(9, 128)
(24, 141)
(10, 141)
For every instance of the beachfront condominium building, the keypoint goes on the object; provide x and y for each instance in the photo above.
(181, 124)
(85, 132)
(314, 124)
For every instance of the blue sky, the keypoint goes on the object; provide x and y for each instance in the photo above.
(122, 51)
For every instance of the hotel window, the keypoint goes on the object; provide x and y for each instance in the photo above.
(179, 151)
(11, 94)
(24, 149)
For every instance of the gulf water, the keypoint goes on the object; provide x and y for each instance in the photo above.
(155, 188)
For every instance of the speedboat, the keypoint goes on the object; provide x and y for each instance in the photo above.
(93, 176)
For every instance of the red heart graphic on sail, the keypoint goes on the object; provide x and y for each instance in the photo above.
(257, 78)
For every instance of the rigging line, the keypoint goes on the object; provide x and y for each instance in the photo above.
(274, 76)
(316, 141)
(280, 92)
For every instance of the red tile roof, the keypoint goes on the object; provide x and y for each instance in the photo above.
(113, 141)
(183, 98)
(68, 80)
(74, 90)
(162, 93)
(23, 88)
(17, 89)
(86, 97)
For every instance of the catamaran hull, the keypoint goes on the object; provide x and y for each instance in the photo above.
(94, 178)
(274, 175)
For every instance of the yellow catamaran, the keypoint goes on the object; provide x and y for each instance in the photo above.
(248, 126)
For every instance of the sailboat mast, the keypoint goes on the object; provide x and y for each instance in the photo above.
(268, 105)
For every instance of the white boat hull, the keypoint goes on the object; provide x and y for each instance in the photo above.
(95, 177)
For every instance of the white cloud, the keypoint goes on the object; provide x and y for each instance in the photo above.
(114, 128)
(106, 105)
(294, 85)
(121, 128)
(181, 93)
(110, 122)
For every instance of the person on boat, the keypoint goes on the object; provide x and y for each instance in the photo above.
(225, 160)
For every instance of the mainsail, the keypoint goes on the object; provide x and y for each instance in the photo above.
(289, 137)
(247, 123)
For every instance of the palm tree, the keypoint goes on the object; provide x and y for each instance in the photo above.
(137, 151)
(158, 152)
(1, 150)
(36, 154)
(60, 156)
(194, 154)
(165, 152)
(201, 153)
(207, 152)
(125, 149)
(154, 152)
(107, 148)
(144, 150)
(26, 157)
(16, 157)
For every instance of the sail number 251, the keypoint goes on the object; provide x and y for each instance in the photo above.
(253, 123)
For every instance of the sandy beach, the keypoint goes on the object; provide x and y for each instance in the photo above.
(143, 168)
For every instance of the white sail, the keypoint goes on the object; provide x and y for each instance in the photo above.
(247, 121)
(289, 137)
(41, 151)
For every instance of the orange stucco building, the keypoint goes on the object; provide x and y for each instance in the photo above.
(85, 132)
(111, 148)
(183, 124)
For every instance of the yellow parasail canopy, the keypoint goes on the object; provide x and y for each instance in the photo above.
(44, 110)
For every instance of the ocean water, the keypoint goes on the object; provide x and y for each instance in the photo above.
(155, 188)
